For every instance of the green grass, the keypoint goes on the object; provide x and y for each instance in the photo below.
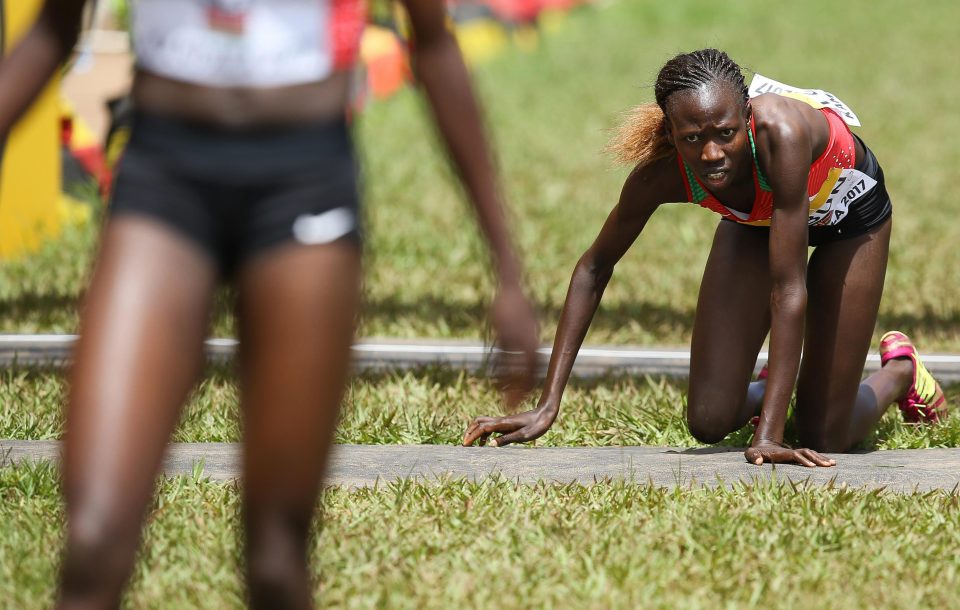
(497, 544)
(449, 543)
(550, 111)
(433, 406)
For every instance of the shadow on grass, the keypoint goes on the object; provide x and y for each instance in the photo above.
(441, 375)
(459, 317)
(922, 324)
(32, 373)
(467, 318)
(57, 310)
(452, 317)
(45, 306)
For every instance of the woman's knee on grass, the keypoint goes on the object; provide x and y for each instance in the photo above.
(711, 416)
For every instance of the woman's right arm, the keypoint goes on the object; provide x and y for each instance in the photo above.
(642, 192)
(26, 70)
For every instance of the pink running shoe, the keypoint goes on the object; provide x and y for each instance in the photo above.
(924, 401)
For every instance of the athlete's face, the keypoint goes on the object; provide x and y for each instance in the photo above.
(708, 126)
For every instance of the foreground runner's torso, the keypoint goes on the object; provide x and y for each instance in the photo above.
(245, 63)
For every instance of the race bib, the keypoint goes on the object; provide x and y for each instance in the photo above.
(818, 98)
(841, 188)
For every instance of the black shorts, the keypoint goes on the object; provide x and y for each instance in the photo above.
(237, 193)
(866, 213)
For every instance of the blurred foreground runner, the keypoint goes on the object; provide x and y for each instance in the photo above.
(781, 167)
(240, 167)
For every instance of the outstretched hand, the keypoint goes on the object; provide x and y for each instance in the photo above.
(768, 451)
(515, 370)
(517, 428)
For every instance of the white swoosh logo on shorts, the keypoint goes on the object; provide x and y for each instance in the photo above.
(323, 228)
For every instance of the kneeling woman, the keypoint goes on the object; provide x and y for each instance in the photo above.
(784, 174)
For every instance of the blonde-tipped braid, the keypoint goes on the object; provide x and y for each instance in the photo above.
(641, 137)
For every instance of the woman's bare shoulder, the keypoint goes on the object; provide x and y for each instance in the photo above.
(657, 182)
(781, 119)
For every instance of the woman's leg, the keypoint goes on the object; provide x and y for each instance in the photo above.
(298, 308)
(733, 318)
(142, 330)
(844, 285)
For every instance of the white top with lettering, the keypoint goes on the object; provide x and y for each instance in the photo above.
(246, 43)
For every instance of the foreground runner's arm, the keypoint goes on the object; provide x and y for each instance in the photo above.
(26, 70)
(439, 66)
(642, 193)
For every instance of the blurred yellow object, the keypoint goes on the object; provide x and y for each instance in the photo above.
(376, 42)
(526, 38)
(81, 136)
(115, 146)
(385, 59)
(30, 173)
(72, 211)
(551, 20)
(481, 39)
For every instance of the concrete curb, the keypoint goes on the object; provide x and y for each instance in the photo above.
(902, 471)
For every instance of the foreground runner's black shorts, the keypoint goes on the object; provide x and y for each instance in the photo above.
(238, 193)
(865, 214)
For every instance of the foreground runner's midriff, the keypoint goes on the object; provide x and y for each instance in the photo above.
(242, 108)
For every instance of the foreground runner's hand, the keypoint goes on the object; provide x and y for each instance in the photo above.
(440, 70)
(518, 428)
(767, 451)
(516, 333)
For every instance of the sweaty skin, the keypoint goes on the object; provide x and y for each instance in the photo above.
(146, 314)
(776, 290)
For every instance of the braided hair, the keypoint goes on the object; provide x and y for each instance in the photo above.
(642, 136)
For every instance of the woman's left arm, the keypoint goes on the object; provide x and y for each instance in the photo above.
(787, 144)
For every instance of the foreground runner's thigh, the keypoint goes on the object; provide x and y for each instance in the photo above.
(298, 307)
(142, 330)
(844, 286)
(733, 318)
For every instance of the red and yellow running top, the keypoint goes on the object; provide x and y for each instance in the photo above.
(828, 173)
